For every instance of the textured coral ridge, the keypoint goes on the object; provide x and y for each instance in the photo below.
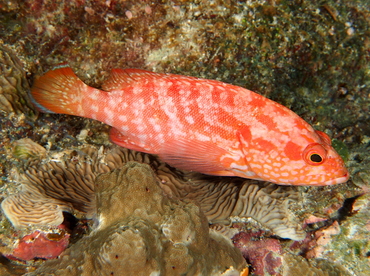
(64, 181)
(13, 84)
(143, 232)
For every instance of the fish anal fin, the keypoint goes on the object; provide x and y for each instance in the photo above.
(199, 156)
(124, 141)
(122, 78)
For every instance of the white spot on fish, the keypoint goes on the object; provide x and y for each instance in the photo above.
(112, 101)
(94, 108)
(142, 137)
(109, 115)
(267, 167)
(187, 110)
(257, 166)
(141, 128)
(157, 128)
(189, 119)
(93, 95)
(124, 129)
(137, 90)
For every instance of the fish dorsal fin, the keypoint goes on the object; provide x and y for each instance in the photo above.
(121, 78)
(199, 156)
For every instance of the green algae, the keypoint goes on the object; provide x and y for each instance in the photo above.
(341, 148)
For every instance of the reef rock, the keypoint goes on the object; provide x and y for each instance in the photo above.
(297, 265)
(141, 231)
(264, 254)
(40, 245)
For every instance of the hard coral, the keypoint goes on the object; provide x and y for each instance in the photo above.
(234, 200)
(66, 183)
(142, 231)
(49, 189)
(13, 84)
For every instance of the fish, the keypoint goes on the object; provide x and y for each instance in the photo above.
(196, 124)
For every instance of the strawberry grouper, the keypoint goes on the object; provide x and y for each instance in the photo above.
(198, 125)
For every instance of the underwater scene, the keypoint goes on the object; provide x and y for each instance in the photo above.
(131, 142)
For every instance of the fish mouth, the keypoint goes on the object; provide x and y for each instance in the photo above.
(337, 180)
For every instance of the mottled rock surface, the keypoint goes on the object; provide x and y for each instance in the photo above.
(141, 231)
(296, 265)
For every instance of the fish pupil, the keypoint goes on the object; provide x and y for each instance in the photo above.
(316, 158)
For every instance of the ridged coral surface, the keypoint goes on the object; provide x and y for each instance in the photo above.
(140, 231)
(66, 182)
(13, 84)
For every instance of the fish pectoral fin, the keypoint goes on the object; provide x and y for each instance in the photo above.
(124, 141)
(122, 78)
(193, 155)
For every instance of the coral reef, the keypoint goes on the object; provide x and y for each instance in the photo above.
(308, 55)
(267, 257)
(13, 84)
(234, 200)
(65, 183)
(140, 231)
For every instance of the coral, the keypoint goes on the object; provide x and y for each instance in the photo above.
(66, 183)
(353, 238)
(315, 244)
(30, 207)
(13, 84)
(308, 55)
(141, 231)
(233, 200)
(27, 149)
(296, 265)
(320, 239)
(49, 189)
(40, 245)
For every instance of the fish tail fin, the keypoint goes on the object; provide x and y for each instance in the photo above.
(58, 91)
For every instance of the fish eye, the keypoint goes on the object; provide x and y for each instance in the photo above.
(314, 154)
(316, 158)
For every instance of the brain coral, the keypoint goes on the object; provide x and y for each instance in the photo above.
(66, 183)
(140, 231)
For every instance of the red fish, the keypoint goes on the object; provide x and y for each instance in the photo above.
(199, 125)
